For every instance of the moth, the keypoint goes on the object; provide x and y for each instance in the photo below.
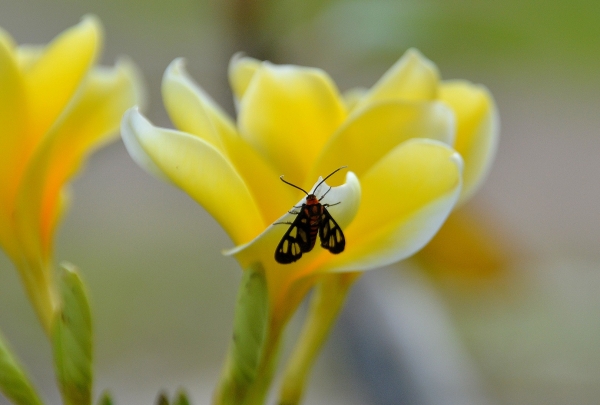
(312, 218)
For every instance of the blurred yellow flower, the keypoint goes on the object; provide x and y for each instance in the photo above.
(55, 108)
(395, 138)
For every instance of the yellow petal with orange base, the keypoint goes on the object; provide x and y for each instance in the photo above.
(31, 101)
(13, 110)
(91, 121)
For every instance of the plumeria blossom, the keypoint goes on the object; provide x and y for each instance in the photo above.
(396, 140)
(400, 141)
(56, 106)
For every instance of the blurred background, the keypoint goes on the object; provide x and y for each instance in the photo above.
(512, 316)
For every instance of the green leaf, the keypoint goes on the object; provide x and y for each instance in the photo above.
(250, 325)
(72, 340)
(181, 399)
(14, 383)
(162, 399)
(105, 399)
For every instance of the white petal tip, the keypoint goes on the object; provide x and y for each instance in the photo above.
(176, 69)
(134, 127)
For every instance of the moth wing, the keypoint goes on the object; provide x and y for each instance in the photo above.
(295, 241)
(330, 233)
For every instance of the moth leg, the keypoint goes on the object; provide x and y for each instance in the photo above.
(282, 223)
(294, 212)
(331, 205)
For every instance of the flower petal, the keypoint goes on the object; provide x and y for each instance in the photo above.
(353, 97)
(468, 246)
(193, 111)
(91, 120)
(6, 40)
(241, 70)
(12, 151)
(28, 55)
(477, 129)
(58, 73)
(199, 169)
(287, 114)
(413, 77)
(375, 130)
(406, 198)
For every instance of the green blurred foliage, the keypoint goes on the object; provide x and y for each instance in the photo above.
(502, 37)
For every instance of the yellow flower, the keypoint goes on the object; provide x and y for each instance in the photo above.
(396, 139)
(55, 108)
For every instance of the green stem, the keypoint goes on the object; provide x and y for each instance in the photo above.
(326, 303)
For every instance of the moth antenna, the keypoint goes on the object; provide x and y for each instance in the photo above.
(330, 174)
(293, 185)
